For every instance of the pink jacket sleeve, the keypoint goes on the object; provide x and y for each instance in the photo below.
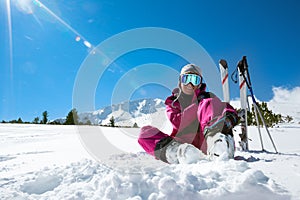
(211, 109)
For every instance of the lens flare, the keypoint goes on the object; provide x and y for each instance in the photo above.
(87, 44)
(30, 6)
(37, 3)
(8, 8)
(77, 39)
(25, 6)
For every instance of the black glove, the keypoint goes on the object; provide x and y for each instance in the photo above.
(223, 125)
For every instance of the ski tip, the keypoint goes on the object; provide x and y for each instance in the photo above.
(223, 63)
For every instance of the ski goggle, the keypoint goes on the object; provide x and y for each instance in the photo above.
(191, 78)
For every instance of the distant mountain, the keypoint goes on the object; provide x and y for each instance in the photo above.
(143, 112)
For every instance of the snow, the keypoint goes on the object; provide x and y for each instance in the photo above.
(50, 162)
(127, 113)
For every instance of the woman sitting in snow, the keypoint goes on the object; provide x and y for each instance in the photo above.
(202, 124)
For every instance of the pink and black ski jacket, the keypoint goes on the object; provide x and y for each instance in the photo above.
(189, 115)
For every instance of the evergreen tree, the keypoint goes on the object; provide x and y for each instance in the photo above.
(135, 125)
(45, 117)
(72, 117)
(250, 117)
(289, 119)
(13, 121)
(270, 118)
(36, 120)
(112, 121)
(19, 121)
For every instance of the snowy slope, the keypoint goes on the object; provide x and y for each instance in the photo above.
(49, 162)
(126, 113)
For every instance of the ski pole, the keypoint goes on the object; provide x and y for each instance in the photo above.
(243, 65)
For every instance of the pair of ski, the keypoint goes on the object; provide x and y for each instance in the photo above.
(244, 84)
(243, 99)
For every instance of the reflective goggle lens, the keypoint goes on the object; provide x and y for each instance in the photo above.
(191, 78)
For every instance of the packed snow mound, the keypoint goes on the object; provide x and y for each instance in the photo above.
(41, 184)
(153, 180)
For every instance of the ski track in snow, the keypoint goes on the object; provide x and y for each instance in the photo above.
(49, 162)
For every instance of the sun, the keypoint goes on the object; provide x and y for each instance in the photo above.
(30, 7)
(25, 6)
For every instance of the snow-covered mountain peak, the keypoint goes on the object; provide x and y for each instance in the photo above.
(127, 113)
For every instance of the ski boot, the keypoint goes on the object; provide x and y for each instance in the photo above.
(219, 138)
(185, 153)
(220, 146)
(173, 152)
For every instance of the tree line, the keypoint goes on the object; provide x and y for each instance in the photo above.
(36, 120)
(271, 119)
(71, 119)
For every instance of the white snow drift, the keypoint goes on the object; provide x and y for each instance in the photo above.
(49, 162)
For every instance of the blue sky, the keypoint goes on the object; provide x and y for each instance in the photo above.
(51, 39)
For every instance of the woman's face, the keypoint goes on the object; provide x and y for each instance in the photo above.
(188, 89)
